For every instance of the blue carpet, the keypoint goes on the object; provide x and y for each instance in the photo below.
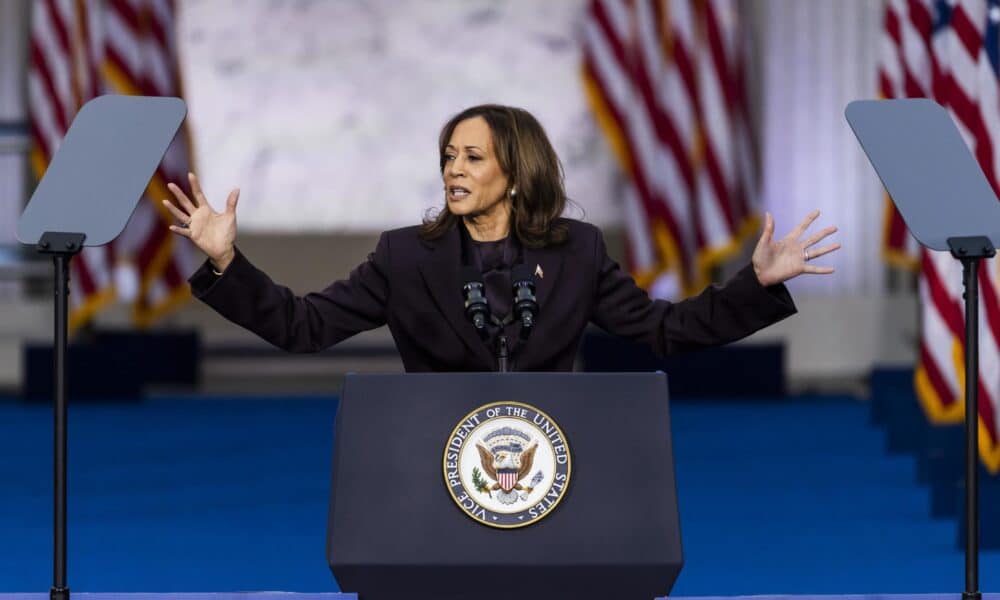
(230, 494)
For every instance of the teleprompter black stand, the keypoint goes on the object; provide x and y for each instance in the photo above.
(88, 193)
(62, 247)
(947, 204)
(395, 532)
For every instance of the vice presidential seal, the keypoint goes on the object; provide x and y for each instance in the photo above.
(507, 464)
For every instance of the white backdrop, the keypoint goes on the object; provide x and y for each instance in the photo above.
(816, 56)
(12, 64)
(326, 114)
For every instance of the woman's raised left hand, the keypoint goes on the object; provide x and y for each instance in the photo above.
(778, 261)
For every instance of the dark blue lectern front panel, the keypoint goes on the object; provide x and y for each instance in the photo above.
(394, 527)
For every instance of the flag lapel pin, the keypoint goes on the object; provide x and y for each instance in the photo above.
(539, 272)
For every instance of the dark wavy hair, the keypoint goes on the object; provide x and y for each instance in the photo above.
(530, 163)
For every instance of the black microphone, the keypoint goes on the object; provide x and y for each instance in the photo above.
(474, 293)
(525, 303)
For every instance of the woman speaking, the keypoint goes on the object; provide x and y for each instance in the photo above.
(504, 198)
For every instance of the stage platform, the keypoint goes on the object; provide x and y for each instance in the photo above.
(296, 596)
(231, 493)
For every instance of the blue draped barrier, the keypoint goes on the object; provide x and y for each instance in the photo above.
(939, 451)
(956, 596)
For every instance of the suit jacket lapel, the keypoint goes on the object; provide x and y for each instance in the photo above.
(547, 265)
(440, 273)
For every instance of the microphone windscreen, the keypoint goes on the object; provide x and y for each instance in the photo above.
(468, 273)
(522, 272)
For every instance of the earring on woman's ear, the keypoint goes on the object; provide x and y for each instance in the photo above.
(513, 191)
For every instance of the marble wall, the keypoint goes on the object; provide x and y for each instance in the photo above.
(326, 113)
(13, 55)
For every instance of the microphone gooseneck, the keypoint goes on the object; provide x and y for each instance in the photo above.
(525, 302)
(474, 293)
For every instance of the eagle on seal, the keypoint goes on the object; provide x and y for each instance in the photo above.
(507, 468)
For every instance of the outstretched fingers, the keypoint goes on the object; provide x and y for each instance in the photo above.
(820, 236)
(181, 197)
(178, 214)
(768, 234)
(817, 270)
(199, 196)
(813, 254)
(234, 197)
(801, 228)
(818, 253)
(183, 231)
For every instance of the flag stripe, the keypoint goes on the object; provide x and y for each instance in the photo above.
(636, 129)
(79, 49)
(939, 52)
(654, 208)
(662, 80)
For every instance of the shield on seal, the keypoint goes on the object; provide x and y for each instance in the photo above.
(507, 478)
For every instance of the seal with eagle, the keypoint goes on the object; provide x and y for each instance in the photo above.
(507, 466)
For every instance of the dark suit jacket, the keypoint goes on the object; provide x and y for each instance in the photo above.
(412, 285)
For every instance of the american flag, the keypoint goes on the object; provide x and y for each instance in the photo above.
(665, 81)
(948, 50)
(907, 68)
(80, 49)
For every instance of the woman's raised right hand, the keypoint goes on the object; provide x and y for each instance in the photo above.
(214, 233)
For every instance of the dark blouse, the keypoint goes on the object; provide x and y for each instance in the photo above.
(495, 260)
